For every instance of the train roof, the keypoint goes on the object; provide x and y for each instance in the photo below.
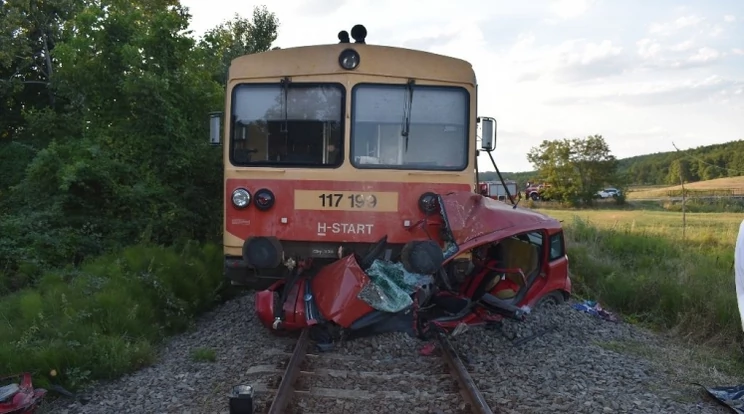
(374, 60)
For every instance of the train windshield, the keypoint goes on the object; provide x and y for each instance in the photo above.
(410, 127)
(286, 125)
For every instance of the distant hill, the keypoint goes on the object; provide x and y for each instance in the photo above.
(698, 164)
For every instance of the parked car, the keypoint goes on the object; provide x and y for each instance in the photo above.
(609, 192)
(536, 191)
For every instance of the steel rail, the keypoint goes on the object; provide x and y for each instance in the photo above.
(286, 386)
(477, 402)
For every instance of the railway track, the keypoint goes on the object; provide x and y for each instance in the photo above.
(313, 383)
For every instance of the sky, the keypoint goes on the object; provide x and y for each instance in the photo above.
(643, 74)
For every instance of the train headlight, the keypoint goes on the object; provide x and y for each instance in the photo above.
(241, 198)
(264, 199)
(349, 59)
(428, 202)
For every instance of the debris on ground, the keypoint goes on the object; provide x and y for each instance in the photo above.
(18, 396)
(593, 308)
(428, 349)
(729, 396)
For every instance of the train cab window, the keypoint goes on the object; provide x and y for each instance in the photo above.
(435, 119)
(299, 125)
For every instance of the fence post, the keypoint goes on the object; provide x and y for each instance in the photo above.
(684, 210)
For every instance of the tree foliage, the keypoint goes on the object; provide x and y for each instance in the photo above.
(697, 164)
(576, 168)
(237, 37)
(105, 141)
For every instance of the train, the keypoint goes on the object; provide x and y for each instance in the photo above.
(329, 148)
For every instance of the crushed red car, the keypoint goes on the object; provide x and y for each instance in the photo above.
(18, 395)
(484, 260)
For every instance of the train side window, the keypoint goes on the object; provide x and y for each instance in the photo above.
(557, 246)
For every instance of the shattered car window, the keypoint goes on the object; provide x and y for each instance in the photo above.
(391, 287)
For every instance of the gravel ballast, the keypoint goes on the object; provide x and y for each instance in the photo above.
(575, 363)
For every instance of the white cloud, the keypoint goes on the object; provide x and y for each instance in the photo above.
(574, 60)
(715, 31)
(648, 48)
(705, 55)
(568, 9)
(683, 46)
(729, 18)
(669, 28)
(711, 89)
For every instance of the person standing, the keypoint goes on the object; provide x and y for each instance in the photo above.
(739, 272)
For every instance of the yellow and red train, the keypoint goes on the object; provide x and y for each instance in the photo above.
(329, 148)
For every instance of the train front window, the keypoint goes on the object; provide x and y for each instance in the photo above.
(294, 125)
(436, 119)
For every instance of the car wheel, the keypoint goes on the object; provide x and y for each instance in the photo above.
(553, 298)
(534, 196)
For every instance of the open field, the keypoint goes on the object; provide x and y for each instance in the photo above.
(710, 228)
(635, 262)
(649, 192)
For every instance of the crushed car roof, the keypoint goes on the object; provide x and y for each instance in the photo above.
(471, 216)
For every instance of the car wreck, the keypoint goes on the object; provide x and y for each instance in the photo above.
(484, 261)
(18, 395)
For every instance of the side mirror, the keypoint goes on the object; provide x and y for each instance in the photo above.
(488, 134)
(215, 120)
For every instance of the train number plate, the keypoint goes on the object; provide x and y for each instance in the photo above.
(385, 201)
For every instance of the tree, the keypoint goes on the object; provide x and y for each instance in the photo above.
(237, 37)
(679, 169)
(125, 157)
(576, 168)
(29, 33)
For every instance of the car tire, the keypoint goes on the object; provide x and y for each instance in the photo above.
(554, 298)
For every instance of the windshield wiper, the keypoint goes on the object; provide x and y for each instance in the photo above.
(285, 104)
(407, 111)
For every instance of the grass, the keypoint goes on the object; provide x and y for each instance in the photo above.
(106, 318)
(717, 229)
(637, 263)
(736, 183)
(203, 355)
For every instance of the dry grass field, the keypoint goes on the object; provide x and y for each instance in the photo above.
(736, 183)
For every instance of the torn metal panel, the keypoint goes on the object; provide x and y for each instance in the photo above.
(336, 288)
(471, 216)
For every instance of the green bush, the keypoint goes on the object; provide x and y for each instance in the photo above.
(104, 318)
